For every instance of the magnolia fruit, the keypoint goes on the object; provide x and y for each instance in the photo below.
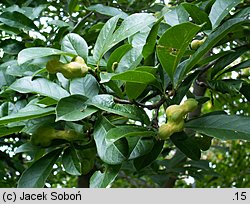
(75, 69)
(176, 115)
(44, 136)
(195, 44)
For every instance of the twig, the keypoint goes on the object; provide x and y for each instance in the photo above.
(153, 106)
(122, 101)
(80, 24)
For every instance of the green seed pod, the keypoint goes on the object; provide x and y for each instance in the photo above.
(44, 136)
(75, 69)
(189, 105)
(195, 44)
(174, 113)
(166, 130)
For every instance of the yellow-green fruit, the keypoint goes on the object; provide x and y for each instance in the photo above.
(189, 105)
(75, 69)
(44, 136)
(174, 113)
(166, 130)
(54, 66)
(195, 44)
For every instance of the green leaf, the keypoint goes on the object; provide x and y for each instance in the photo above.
(173, 44)
(110, 153)
(175, 16)
(70, 162)
(103, 180)
(138, 77)
(245, 90)
(104, 39)
(72, 4)
(86, 86)
(139, 146)
(27, 147)
(78, 111)
(76, 45)
(147, 159)
(149, 47)
(186, 145)
(130, 60)
(35, 176)
(40, 86)
(224, 61)
(225, 127)
(131, 25)
(9, 130)
(119, 132)
(204, 142)
(197, 15)
(220, 10)
(133, 89)
(236, 67)
(107, 10)
(17, 20)
(28, 112)
(230, 86)
(211, 41)
(116, 56)
(38, 52)
(106, 102)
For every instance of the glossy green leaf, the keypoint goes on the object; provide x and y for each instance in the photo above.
(137, 77)
(186, 145)
(173, 44)
(147, 159)
(17, 20)
(133, 89)
(107, 10)
(9, 130)
(103, 180)
(149, 47)
(38, 52)
(110, 153)
(28, 112)
(72, 4)
(220, 10)
(175, 16)
(211, 41)
(131, 25)
(73, 108)
(86, 86)
(104, 39)
(130, 60)
(106, 102)
(27, 147)
(225, 127)
(224, 61)
(35, 176)
(245, 90)
(198, 16)
(116, 56)
(230, 86)
(40, 86)
(119, 132)
(71, 162)
(139, 146)
(76, 45)
(237, 67)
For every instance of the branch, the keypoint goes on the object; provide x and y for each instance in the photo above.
(80, 24)
(153, 106)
